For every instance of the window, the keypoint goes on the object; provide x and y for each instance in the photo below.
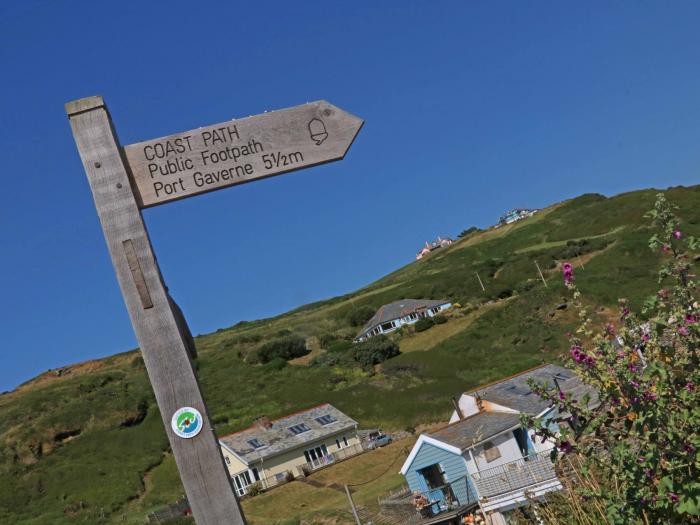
(388, 326)
(241, 482)
(316, 454)
(299, 429)
(255, 474)
(433, 475)
(491, 452)
(523, 441)
(326, 420)
(256, 443)
(345, 440)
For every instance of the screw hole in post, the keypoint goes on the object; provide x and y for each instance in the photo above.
(119, 185)
(97, 164)
(327, 112)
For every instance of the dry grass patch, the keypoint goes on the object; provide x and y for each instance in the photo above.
(432, 337)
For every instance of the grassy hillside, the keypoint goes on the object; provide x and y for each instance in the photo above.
(85, 444)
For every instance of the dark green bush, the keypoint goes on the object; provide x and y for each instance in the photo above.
(331, 359)
(340, 346)
(423, 324)
(361, 315)
(326, 340)
(525, 286)
(276, 363)
(469, 230)
(286, 348)
(439, 319)
(375, 350)
(504, 294)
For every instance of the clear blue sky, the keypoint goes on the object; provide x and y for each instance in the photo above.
(471, 108)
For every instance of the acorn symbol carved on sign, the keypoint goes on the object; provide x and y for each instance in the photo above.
(318, 132)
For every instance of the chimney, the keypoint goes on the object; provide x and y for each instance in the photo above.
(460, 415)
(262, 422)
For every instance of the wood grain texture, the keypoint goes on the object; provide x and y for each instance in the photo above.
(164, 349)
(239, 151)
(136, 274)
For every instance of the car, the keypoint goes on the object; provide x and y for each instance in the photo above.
(379, 441)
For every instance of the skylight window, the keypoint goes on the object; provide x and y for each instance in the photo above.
(256, 443)
(299, 429)
(326, 420)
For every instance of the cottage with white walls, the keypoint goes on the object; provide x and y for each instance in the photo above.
(485, 456)
(272, 452)
(394, 315)
(440, 242)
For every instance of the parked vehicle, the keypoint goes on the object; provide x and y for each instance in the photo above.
(379, 441)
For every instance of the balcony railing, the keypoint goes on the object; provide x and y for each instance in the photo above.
(516, 475)
(339, 455)
(412, 507)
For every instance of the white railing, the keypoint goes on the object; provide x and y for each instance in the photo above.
(516, 475)
(339, 455)
(410, 507)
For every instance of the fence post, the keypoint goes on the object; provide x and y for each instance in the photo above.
(352, 506)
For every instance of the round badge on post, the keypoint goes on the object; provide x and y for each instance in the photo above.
(186, 422)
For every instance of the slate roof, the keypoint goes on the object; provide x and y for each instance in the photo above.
(475, 429)
(279, 438)
(515, 393)
(398, 309)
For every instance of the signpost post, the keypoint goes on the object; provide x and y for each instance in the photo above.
(126, 180)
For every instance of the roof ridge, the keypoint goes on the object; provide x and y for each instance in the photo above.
(251, 427)
(504, 379)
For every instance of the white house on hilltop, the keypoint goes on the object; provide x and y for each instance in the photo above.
(440, 242)
(394, 315)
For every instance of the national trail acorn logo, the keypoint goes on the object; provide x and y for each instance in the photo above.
(186, 422)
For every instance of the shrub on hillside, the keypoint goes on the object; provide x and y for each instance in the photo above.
(327, 339)
(332, 359)
(276, 363)
(469, 230)
(423, 324)
(439, 319)
(286, 348)
(375, 350)
(525, 286)
(340, 346)
(359, 316)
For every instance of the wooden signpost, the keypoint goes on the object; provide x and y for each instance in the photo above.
(126, 180)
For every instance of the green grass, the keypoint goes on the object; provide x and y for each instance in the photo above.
(87, 445)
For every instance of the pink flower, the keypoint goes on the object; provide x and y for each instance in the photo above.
(683, 331)
(568, 272)
(690, 319)
(610, 329)
(565, 446)
(677, 234)
(665, 248)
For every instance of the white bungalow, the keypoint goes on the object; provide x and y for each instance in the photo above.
(394, 315)
(272, 452)
(440, 242)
